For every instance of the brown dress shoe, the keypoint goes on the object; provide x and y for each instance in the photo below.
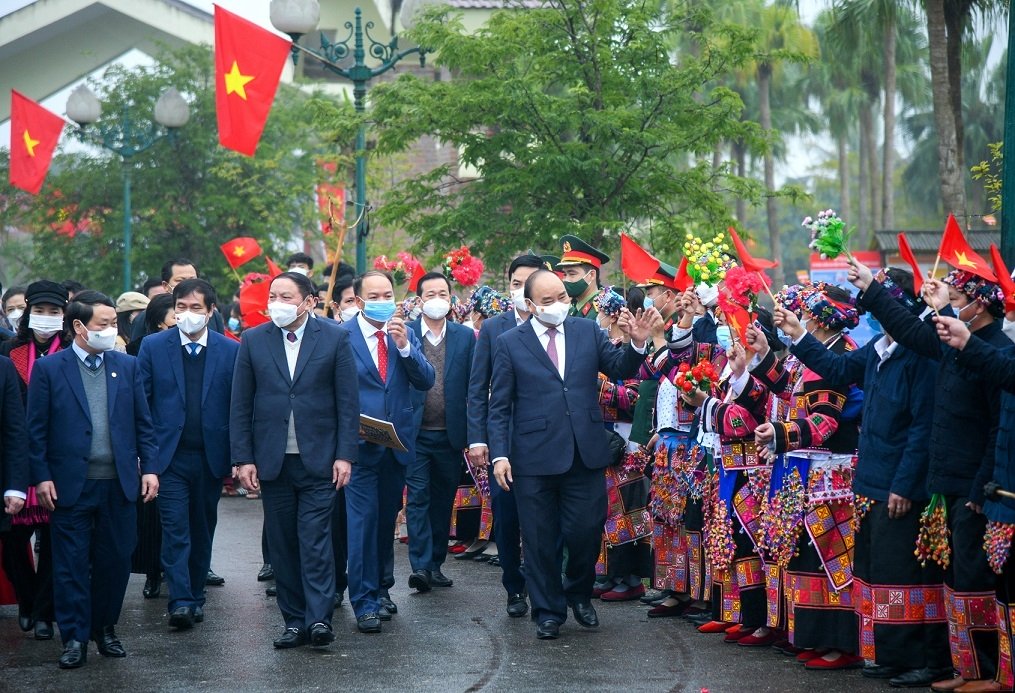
(981, 685)
(948, 684)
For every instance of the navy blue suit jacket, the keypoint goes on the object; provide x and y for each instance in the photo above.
(13, 437)
(60, 424)
(161, 364)
(321, 395)
(461, 342)
(391, 400)
(537, 419)
(482, 368)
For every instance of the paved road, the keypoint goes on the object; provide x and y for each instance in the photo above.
(456, 639)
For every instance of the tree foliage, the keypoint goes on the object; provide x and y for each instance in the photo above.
(578, 117)
(189, 195)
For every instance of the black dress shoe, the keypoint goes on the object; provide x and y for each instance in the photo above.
(919, 678)
(75, 654)
(469, 555)
(339, 596)
(109, 645)
(265, 573)
(385, 601)
(548, 630)
(181, 618)
(383, 614)
(321, 635)
(420, 580)
(368, 623)
(43, 630)
(26, 623)
(271, 591)
(439, 579)
(198, 614)
(876, 671)
(152, 587)
(482, 558)
(494, 561)
(292, 637)
(585, 614)
(214, 580)
(516, 605)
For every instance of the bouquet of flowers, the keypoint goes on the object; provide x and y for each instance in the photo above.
(401, 268)
(707, 261)
(829, 235)
(460, 265)
(743, 287)
(702, 376)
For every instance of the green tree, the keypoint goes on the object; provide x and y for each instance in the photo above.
(579, 117)
(189, 194)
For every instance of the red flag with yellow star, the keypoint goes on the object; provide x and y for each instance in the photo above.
(956, 251)
(248, 66)
(35, 130)
(240, 250)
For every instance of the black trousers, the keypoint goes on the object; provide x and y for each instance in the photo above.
(33, 585)
(569, 506)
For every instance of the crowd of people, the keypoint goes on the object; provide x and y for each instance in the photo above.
(774, 483)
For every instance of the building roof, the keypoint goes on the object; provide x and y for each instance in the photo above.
(496, 4)
(929, 241)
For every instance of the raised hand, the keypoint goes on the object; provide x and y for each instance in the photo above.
(935, 294)
(396, 330)
(738, 359)
(787, 321)
(952, 332)
(757, 342)
(859, 275)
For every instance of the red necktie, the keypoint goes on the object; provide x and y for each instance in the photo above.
(382, 354)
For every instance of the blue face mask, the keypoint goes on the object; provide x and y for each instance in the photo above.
(378, 311)
(783, 337)
(873, 323)
(648, 303)
(722, 335)
(234, 324)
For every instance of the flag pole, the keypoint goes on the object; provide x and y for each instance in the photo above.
(768, 289)
(339, 242)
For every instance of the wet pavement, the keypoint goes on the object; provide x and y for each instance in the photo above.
(454, 639)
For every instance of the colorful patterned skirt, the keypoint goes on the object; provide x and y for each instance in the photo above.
(627, 533)
(678, 475)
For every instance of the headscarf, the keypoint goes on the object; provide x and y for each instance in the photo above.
(977, 289)
(608, 302)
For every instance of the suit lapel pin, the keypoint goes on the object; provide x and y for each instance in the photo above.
(113, 374)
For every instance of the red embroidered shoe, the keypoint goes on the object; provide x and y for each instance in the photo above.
(842, 661)
(765, 640)
(808, 655)
(734, 634)
(458, 548)
(628, 595)
(714, 627)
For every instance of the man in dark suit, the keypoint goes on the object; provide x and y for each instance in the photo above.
(292, 374)
(506, 530)
(189, 401)
(14, 450)
(547, 438)
(90, 433)
(432, 478)
(389, 364)
(173, 272)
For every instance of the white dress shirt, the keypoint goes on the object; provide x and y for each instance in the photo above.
(435, 339)
(202, 342)
(541, 333)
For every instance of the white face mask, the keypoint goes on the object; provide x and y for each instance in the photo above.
(300, 270)
(45, 326)
(14, 318)
(553, 314)
(518, 299)
(283, 314)
(190, 322)
(102, 340)
(436, 308)
(348, 314)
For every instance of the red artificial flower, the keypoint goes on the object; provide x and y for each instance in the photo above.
(468, 271)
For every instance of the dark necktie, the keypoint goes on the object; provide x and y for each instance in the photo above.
(92, 361)
(193, 347)
(551, 347)
(382, 354)
(291, 337)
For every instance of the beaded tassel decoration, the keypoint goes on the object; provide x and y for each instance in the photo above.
(932, 542)
(997, 544)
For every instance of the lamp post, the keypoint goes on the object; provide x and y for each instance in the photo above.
(299, 17)
(1008, 170)
(126, 138)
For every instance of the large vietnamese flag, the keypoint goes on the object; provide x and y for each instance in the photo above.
(956, 251)
(35, 131)
(248, 66)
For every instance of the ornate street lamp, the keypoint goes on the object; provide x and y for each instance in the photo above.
(126, 138)
(299, 17)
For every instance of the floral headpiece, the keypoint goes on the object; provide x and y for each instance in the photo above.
(831, 314)
(488, 302)
(911, 303)
(460, 265)
(792, 297)
(608, 302)
(978, 289)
